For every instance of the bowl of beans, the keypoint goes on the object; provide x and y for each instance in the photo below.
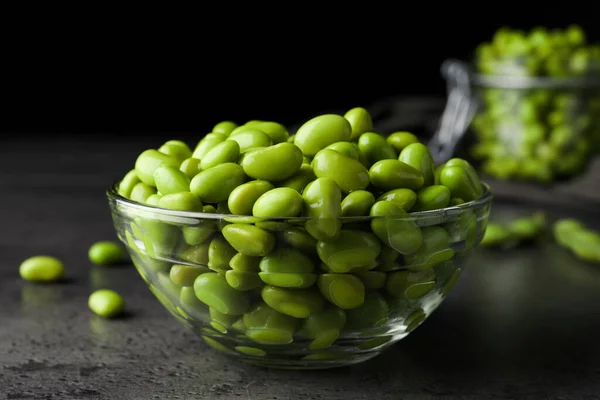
(531, 101)
(309, 250)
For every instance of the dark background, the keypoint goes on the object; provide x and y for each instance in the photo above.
(147, 76)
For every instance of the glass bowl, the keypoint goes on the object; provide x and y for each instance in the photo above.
(523, 127)
(288, 308)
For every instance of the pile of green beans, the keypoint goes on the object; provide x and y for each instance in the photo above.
(573, 235)
(539, 52)
(517, 232)
(305, 238)
(537, 133)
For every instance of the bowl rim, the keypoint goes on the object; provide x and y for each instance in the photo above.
(534, 82)
(509, 81)
(115, 198)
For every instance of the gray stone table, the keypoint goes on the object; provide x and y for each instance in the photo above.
(520, 324)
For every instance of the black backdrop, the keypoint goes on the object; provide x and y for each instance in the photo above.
(164, 79)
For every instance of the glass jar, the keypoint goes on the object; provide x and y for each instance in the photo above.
(534, 119)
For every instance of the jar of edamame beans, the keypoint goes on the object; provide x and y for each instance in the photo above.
(532, 102)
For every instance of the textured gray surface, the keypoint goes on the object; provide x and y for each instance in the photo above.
(519, 325)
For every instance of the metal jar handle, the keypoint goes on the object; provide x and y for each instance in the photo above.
(459, 111)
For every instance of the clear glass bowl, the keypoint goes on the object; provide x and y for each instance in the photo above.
(529, 128)
(399, 290)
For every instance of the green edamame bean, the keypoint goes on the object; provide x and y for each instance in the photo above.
(410, 285)
(267, 326)
(227, 151)
(375, 148)
(243, 263)
(213, 290)
(207, 143)
(182, 201)
(299, 239)
(495, 235)
(197, 255)
(388, 255)
(194, 235)
(432, 197)
(357, 203)
(323, 327)
(394, 229)
(42, 269)
(106, 303)
(286, 260)
(474, 176)
(170, 180)
(276, 131)
(436, 174)
(360, 121)
(209, 209)
(460, 182)
(417, 155)
(352, 249)
(224, 127)
(245, 153)
(191, 305)
(523, 229)
(242, 198)
(372, 279)
(177, 149)
(249, 240)
(563, 228)
(159, 238)
(323, 202)
(300, 179)
(297, 303)
(147, 163)
(215, 184)
(435, 249)
(190, 167)
(585, 245)
(348, 174)
(243, 280)
(405, 198)
(400, 140)
(414, 320)
(216, 345)
(221, 321)
(288, 268)
(345, 291)
(106, 253)
(393, 174)
(248, 138)
(185, 275)
(278, 202)
(220, 253)
(239, 326)
(319, 132)
(127, 183)
(348, 149)
(153, 200)
(141, 192)
(274, 163)
(372, 313)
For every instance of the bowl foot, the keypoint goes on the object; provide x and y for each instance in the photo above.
(317, 361)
